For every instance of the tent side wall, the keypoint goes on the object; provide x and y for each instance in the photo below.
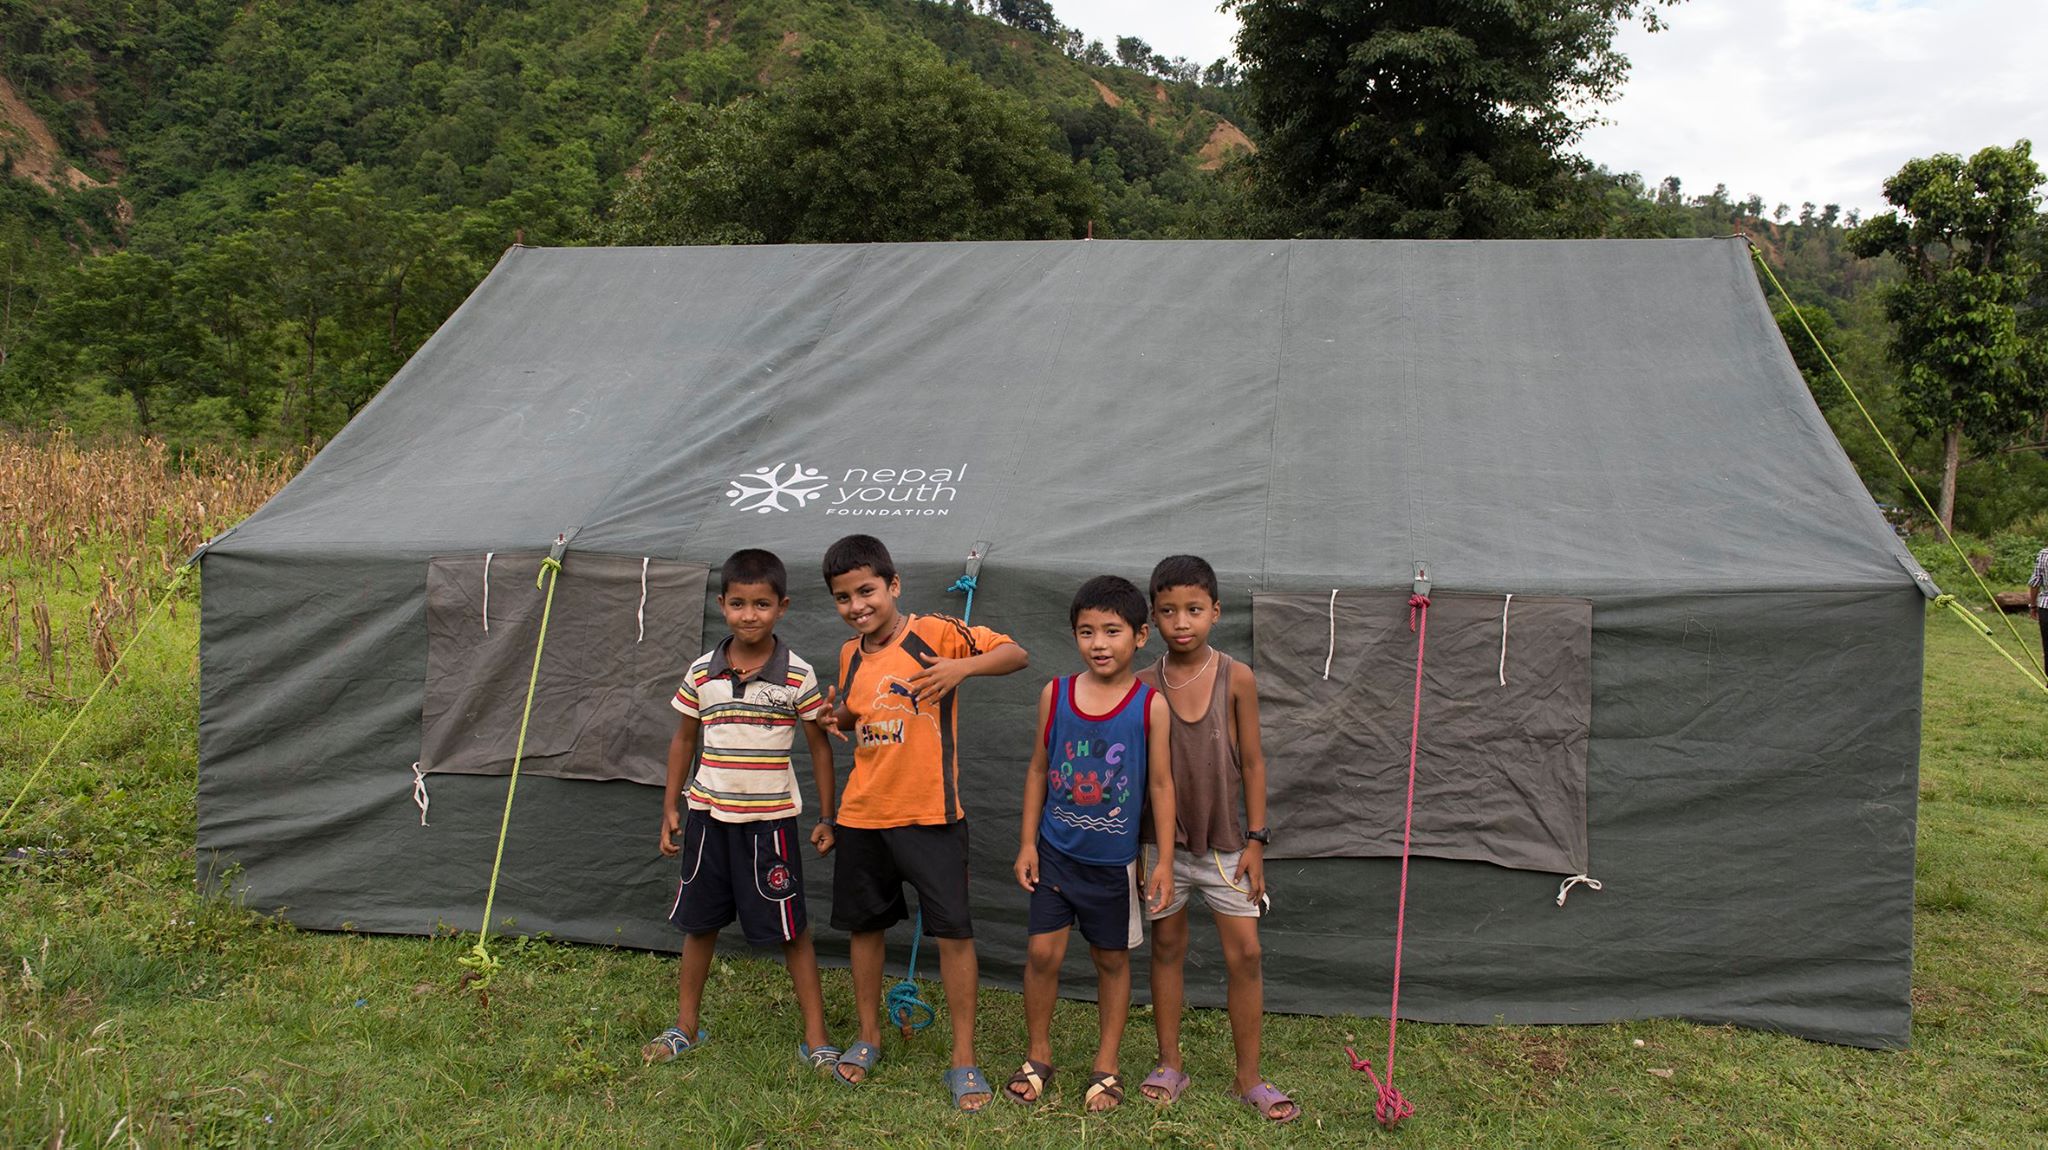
(1755, 838)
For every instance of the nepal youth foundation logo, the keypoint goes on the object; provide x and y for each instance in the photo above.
(915, 490)
(764, 489)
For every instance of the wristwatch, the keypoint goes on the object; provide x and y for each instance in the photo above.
(1263, 836)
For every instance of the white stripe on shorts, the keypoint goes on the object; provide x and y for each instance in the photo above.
(1135, 933)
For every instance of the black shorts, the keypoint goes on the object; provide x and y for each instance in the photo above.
(749, 871)
(1103, 899)
(869, 869)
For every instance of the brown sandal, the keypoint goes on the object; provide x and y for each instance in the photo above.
(1034, 1075)
(1103, 1083)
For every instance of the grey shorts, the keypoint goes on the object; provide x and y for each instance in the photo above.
(1208, 872)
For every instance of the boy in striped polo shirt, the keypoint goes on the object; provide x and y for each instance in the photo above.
(742, 703)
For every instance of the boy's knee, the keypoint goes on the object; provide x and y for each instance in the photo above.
(1110, 961)
(1043, 953)
(1244, 959)
(1169, 947)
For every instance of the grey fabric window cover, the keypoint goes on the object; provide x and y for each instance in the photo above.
(607, 669)
(1501, 767)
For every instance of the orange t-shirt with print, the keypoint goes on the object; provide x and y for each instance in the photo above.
(906, 755)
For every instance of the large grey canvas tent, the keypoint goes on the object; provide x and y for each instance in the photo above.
(1672, 645)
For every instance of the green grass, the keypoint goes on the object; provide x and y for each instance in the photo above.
(135, 1011)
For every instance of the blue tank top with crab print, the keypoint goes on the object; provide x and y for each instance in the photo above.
(1095, 776)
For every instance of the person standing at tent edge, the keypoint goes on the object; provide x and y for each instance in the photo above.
(1077, 852)
(2037, 601)
(901, 819)
(740, 859)
(1216, 757)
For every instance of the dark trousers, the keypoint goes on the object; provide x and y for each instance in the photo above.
(2044, 640)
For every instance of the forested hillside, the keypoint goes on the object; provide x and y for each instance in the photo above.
(234, 221)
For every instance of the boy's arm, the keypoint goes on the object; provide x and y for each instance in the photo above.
(1034, 799)
(821, 774)
(682, 753)
(941, 676)
(1244, 713)
(1159, 797)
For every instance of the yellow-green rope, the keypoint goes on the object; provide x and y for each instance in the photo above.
(1949, 601)
(177, 577)
(480, 959)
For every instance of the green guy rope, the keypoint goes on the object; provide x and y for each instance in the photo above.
(1949, 601)
(480, 959)
(177, 577)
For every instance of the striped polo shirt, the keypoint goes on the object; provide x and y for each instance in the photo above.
(749, 725)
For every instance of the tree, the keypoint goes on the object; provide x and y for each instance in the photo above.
(1132, 52)
(871, 143)
(1410, 118)
(115, 320)
(1967, 235)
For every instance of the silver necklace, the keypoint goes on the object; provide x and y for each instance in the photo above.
(1173, 686)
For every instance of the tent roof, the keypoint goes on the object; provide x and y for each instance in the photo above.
(1578, 416)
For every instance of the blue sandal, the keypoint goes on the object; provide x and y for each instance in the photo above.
(670, 1044)
(824, 1056)
(965, 1080)
(862, 1056)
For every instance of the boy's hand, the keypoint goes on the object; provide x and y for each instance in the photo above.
(938, 679)
(1251, 871)
(1027, 866)
(821, 837)
(836, 718)
(1159, 888)
(671, 831)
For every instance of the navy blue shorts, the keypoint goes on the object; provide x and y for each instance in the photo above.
(749, 871)
(1103, 900)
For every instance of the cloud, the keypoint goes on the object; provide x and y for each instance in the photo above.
(1820, 100)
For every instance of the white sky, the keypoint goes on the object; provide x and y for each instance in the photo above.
(1793, 100)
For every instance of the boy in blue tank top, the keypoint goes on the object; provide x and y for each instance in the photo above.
(1100, 766)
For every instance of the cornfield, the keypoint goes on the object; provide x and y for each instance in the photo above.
(89, 536)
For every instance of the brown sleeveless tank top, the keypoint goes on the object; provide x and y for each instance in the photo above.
(1208, 780)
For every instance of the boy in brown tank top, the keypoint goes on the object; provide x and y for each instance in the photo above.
(1216, 760)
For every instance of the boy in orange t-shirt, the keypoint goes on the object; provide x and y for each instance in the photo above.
(900, 819)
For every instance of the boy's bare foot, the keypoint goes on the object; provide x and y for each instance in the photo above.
(1105, 1091)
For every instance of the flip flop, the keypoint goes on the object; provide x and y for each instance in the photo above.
(1100, 1083)
(862, 1056)
(965, 1080)
(670, 1044)
(1036, 1075)
(823, 1056)
(1265, 1097)
(1165, 1079)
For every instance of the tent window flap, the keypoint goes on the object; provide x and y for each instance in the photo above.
(622, 631)
(1501, 770)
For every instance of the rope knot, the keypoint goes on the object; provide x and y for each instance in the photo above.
(483, 962)
(1417, 602)
(908, 1008)
(1389, 1107)
(550, 563)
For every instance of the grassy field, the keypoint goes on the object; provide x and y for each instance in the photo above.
(133, 1011)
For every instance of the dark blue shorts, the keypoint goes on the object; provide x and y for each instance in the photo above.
(1102, 900)
(749, 871)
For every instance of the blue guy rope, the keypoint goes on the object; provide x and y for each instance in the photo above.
(905, 1003)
